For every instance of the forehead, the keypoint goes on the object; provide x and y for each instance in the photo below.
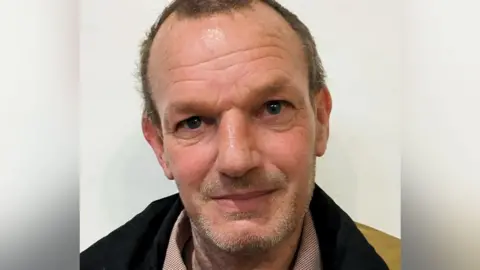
(186, 47)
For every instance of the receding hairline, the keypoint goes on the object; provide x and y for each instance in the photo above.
(283, 28)
(180, 13)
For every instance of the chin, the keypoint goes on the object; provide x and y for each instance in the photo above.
(245, 241)
(247, 235)
(252, 227)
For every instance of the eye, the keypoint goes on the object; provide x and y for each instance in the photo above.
(194, 122)
(274, 107)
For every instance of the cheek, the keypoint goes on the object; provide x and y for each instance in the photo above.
(190, 165)
(291, 152)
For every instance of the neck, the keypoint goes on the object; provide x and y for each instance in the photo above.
(205, 255)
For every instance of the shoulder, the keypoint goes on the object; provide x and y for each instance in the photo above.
(342, 244)
(131, 241)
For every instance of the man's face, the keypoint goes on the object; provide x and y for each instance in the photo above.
(239, 132)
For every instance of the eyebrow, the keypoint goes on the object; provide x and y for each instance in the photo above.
(273, 87)
(267, 89)
(186, 106)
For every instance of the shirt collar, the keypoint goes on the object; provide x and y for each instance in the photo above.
(308, 256)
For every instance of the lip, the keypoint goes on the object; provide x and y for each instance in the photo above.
(243, 202)
(243, 195)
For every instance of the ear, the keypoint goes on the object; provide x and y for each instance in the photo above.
(153, 135)
(322, 109)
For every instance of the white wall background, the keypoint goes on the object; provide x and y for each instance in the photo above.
(360, 43)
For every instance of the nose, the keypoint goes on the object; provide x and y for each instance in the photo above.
(237, 153)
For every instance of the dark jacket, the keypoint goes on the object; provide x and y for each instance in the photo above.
(141, 243)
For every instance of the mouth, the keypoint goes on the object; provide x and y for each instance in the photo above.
(244, 201)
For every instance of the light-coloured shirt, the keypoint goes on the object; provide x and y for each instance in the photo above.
(308, 256)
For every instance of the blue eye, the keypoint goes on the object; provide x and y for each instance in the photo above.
(274, 107)
(192, 122)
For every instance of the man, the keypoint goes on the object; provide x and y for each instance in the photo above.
(236, 111)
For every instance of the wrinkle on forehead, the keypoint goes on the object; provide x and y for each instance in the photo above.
(224, 61)
(218, 36)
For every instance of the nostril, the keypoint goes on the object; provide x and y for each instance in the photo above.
(235, 162)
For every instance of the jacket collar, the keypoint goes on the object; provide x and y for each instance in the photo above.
(342, 246)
